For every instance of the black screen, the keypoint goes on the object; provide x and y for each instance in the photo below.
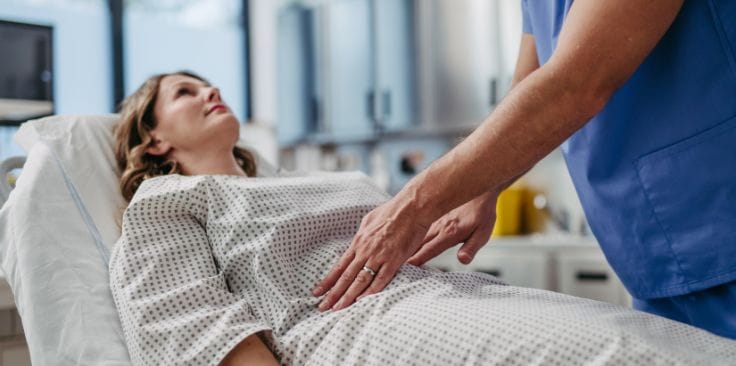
(25, 61)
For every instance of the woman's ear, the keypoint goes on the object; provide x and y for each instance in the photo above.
(158, 147)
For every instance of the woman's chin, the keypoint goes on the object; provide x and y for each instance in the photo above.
(229, 125)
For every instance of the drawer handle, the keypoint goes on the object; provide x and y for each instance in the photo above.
(591, 276)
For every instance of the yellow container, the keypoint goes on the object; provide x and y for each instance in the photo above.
(508, 212)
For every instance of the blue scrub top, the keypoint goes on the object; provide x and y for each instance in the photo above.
(656, 169)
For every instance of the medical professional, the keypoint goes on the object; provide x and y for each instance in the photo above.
(641, 96)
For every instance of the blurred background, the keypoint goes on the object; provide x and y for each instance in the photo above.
(382, 86)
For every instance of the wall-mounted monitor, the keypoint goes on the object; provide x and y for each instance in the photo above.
(26, 75)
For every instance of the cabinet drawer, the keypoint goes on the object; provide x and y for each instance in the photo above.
(591, 277)
(517, 266)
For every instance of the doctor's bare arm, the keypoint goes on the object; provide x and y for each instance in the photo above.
(472, 223)
(251, 351)
(599, 47)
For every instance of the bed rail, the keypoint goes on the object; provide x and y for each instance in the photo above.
(6, 166)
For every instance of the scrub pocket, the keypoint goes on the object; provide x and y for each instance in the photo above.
(691, 187)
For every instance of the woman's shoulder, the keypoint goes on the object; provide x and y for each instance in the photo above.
(171, 184)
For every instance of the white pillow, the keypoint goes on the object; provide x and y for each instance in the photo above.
(56, 231)
(53, 256)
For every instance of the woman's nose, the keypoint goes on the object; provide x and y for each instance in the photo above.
(213, 94)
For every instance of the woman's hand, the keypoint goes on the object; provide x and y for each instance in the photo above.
(387, 237)
(470, 224)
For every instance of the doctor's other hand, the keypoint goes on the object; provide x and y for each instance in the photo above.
(387, 237)
(470, 224)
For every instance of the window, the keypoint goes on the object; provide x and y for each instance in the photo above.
(203, 36)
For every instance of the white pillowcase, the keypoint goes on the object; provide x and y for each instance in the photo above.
(51, 258)
(56, 231)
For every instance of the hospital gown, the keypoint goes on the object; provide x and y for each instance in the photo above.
(205, 261)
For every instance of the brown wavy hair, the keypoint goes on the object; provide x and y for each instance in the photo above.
(133, 136)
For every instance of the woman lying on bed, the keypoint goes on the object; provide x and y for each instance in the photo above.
(216, 266)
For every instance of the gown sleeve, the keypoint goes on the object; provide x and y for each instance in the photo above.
(173, 301)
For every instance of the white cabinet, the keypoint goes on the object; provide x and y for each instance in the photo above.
(459, 60)
(584, 272)
(524, 267)
(345, 69)
(572, 266)
(350, 91)
(395, 63)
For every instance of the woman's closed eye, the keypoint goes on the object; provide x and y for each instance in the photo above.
(183, 91)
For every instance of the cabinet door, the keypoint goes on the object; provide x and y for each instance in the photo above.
(509, 31)
(349, 69)
(297, 98)
(460, 59)
(395, 64)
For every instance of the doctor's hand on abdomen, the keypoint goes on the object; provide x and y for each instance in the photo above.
(391, 234)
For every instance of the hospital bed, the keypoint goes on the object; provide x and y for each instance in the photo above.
(57, 228)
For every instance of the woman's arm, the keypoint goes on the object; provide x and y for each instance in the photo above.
(252, 352)
(173, 299)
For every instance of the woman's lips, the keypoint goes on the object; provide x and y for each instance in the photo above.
(217, 107)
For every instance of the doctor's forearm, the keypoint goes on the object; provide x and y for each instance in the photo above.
(536, 116)
(527, 63)
(547, 106)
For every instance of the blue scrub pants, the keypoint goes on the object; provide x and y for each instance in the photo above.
(713, 309)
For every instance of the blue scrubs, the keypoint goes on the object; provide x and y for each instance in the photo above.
(656, 168)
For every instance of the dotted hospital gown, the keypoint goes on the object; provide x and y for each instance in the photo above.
(206, 261)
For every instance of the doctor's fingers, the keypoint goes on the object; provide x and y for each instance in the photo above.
(337, 270)
(347, 277)
(434, 230)
(433, 248)
(367, 275)
(472, 245)
(382, 278)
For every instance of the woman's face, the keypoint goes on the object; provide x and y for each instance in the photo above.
(191, 118)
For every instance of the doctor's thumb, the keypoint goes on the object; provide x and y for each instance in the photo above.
(471, 246)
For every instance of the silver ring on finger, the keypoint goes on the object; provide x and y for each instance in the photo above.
(369, 271)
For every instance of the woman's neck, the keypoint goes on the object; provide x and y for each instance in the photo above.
(213, 163)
